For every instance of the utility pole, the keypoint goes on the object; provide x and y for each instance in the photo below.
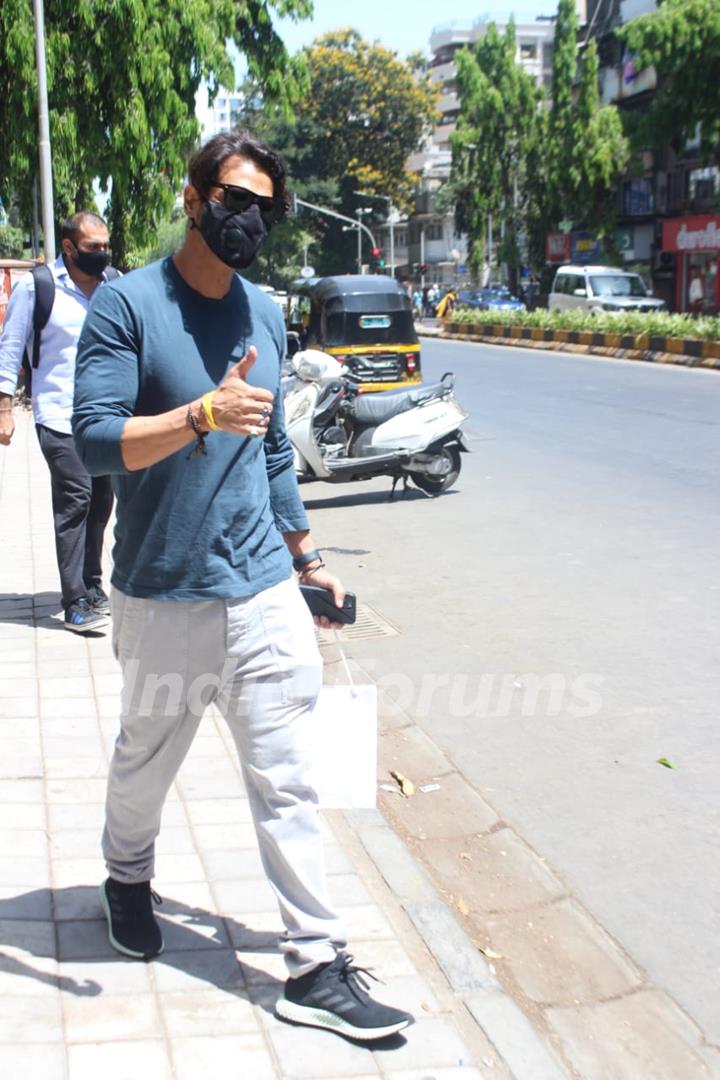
(391, 222)
(360, 211)
(422, 256)
(46, 184)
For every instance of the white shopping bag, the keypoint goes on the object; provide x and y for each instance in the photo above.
(344, 745)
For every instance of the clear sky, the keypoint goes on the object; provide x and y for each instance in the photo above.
(404, 25)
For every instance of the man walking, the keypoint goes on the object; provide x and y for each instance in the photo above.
(177, 395)
(81, 504)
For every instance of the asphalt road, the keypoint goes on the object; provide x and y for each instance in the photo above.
(579, 546)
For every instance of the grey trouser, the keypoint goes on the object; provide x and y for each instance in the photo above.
(258, 661)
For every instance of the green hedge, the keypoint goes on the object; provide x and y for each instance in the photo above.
(659, 323)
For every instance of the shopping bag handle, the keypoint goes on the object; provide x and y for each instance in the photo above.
(343, 657)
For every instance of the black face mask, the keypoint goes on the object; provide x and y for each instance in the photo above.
(91, 263)
(234, 238)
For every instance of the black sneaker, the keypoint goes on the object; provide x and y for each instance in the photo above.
(334, 996)
(132, 926)
(99, 600)
(80, 617)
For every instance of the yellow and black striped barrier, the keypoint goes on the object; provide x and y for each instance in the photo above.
(655, 348)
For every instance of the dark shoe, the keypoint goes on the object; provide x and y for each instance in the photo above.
(132, 926)
(80, 617)
(334, 996)
(99, 600)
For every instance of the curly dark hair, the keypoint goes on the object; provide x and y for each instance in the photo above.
(205, 164)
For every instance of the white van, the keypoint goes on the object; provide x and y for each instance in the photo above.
(600, 288)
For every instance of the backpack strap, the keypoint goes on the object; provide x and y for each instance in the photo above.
(44, 300)
(111, 273)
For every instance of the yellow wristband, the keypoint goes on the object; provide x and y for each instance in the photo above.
(207, 409)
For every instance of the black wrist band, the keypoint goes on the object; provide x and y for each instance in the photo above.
(301, 561)
(199, 447)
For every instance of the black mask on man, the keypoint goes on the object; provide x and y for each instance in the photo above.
(91, 263)
(234, 238)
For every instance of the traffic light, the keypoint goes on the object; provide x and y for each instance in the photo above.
(378, 259)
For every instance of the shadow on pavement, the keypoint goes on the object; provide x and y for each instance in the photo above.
(204, 945)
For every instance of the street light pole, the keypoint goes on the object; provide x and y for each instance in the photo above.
(46, 184)
(391, 222)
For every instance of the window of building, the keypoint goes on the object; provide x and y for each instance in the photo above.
(704, 183)
(637, 197)
(528, 50)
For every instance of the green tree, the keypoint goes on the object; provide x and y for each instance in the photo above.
(682, 41)
(122, 80)
(496, 131)
(586, 150)
(364, 112)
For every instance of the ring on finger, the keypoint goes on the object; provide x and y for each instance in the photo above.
(254, 432)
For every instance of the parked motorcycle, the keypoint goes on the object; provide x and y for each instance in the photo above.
(340, 434)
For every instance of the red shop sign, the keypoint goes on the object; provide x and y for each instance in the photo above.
(699, 233)
(557, 247)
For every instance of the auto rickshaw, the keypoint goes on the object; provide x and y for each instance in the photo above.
(365, 322)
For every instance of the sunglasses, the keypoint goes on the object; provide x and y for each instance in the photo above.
(238, 199)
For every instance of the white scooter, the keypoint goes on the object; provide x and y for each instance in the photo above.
(340, 434)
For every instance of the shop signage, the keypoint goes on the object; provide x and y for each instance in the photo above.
(557, 247)
(586, 247)
(699, 233)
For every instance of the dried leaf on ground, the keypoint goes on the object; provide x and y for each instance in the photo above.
(490, 953)
(406, 786)
(462, 906)
(465, 855)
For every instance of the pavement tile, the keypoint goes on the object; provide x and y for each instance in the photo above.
(19, 687)
(178, 868)
(210, 746)
(558, 955)
(233, 836)
(68, 706)
(193, 931)
(67, 685)
(72, 873)
(263, 967)
(187, 897)
(105, 978)
(17, 902)
(77, 791)
(255, 931)
(19, 669)
(207, 1012)
(70, 727)
(23, 974)
(24, 873)
(101, 1018)
(63, 816)
(77, 767)
(18, 707)
(27, 727)
(44, 1061)
(31, 843)
(459, 1073)
(16, 790)
(26, 1019)
(236, 897)
(366, 922)
(23, 815)
(234, 865)
(347, 890)
(119, 1061)
(306, 1053)
(212, 1057)
(640, 1035)
(76, 666)
(175, 840)
(197, 970)
(77, 902)
(514, 1038)
(388, 959)
(70, 745)
(428, 1043)
(85, 939)
(33, 936)
(219, 811)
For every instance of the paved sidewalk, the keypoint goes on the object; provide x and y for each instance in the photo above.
(74, 1010)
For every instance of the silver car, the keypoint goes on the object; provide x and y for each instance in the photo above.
(600, 288)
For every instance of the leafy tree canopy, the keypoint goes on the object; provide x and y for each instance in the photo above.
(122, 80)
(682, 40)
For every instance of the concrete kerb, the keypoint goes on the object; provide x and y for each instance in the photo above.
(528, 1052)
(562, 341)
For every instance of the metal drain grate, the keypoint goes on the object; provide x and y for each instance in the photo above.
(368, 624)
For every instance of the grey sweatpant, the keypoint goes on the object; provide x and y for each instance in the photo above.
(258, 660)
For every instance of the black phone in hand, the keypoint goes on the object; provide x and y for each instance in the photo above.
(322, 602)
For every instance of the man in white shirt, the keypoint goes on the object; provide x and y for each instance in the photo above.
(81, 504)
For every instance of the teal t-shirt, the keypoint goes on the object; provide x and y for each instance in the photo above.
(189, 527)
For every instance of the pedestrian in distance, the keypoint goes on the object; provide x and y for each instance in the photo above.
(81, 504)
(178, 397)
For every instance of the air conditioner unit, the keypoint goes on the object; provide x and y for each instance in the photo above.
(665, 262)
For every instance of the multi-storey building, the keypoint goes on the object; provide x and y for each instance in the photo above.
(432, 238)
(669, 211)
